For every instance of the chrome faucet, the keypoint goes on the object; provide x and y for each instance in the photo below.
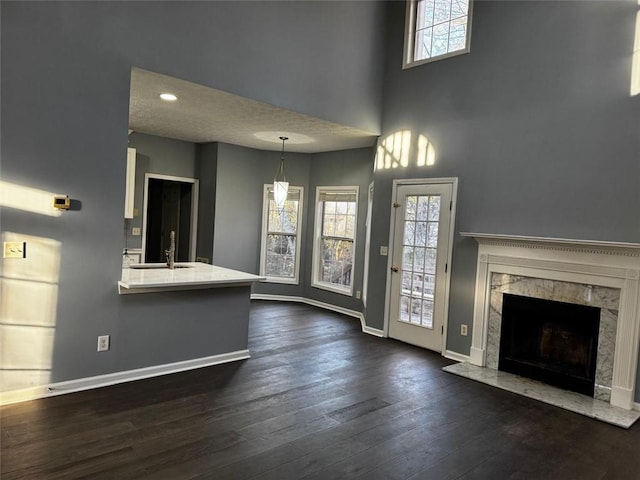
(171, 253)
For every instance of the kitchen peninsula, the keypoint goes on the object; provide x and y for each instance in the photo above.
(157, 277)
(194, 315)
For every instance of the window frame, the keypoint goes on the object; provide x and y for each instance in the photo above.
(411, 17)
(317, 240)
(295, 280)
(367, 244)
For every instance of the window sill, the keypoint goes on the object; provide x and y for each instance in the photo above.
(331, 288)
(286, 281)
(416, 63)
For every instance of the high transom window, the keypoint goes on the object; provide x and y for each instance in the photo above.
(436, 29)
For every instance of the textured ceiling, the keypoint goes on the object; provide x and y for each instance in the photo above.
(203, 114)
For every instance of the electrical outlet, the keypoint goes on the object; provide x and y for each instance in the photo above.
(135, 231)
(358, 294)
(463, 330)
(15, 250)
(103, 343)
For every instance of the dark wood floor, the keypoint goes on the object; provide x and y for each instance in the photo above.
(317, 400)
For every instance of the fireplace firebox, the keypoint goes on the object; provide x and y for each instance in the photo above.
(550, 341)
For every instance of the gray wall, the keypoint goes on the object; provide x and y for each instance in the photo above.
(65, 72)
(230, 205)
(207, 171)
(537, 124)
(180, 325)
(343, 168)
(158, 155)
(242, 174)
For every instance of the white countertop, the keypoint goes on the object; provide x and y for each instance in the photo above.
(187, 276)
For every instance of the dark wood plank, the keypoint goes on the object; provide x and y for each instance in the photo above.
(318, 399)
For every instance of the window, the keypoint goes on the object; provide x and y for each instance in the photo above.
(280, 253)
(436, 29)
(335, 235)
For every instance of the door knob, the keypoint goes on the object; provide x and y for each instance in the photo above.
(394, 269)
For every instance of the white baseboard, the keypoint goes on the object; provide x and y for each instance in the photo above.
(458, 357)
(373, 331)
(636, 406)
(70, 386)
(326, 306)
(280, 298)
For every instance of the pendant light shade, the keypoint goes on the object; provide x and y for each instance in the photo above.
(280, 190)
(280, 184)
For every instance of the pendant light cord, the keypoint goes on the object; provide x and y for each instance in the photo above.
(280, 176)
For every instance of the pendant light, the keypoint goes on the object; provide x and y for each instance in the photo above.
(280, 184)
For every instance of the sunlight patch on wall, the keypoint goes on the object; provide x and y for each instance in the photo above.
(635, 58)
(393, 151)
(397, 151)
(426, 152)
(28, 304)
(27, 199)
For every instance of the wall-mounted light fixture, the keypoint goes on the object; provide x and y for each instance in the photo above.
(280, 184)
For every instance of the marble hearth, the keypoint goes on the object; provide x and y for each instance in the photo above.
(599, 274)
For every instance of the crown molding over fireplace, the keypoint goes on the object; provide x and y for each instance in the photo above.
(560, 244)
(592, 263)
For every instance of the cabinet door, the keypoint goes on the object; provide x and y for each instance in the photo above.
(131, 183)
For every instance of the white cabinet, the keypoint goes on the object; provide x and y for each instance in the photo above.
(131, 183)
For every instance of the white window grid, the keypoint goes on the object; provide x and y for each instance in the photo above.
(336, 226)
(436, 29)
(280, 243)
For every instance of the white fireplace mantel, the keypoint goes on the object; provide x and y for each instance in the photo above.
(597, 263)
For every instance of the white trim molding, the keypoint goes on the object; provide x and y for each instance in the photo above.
(606, 264)
(458, 357)
(376, 332)
(267, 197)
(446, 283)
(318, 236)
(195, 199)
(327, 306)
(88, 383)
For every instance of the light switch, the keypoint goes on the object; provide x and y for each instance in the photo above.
(135, 231)
(15, 250)
(384, 251)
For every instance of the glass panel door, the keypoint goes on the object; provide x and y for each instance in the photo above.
(419, 271)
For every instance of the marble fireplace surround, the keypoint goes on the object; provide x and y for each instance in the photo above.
(602, 274)
(605, 298)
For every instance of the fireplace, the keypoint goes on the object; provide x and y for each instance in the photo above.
(604, 275)
(551, 341)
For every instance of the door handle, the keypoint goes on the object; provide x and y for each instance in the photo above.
(394, 269)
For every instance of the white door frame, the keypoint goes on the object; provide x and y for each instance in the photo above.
(194, 210)
(453, 181)
(367, 245)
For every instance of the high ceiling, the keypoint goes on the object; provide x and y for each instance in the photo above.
(202, 114)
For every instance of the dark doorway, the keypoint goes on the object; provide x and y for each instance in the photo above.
(554, 342)
(168, 208)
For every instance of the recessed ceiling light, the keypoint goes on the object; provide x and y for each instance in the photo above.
(169, 97)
